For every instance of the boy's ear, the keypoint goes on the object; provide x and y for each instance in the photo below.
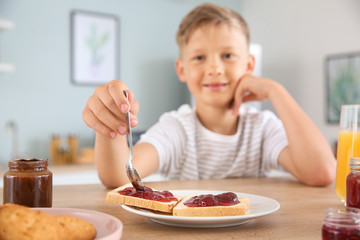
(251, 64)
(179, 66)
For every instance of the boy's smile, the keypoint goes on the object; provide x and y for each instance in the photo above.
(214, 87)
(213, 62)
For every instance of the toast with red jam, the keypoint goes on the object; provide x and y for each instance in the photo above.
(163, 201)
(209, 205)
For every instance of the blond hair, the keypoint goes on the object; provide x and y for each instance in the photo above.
(209, 14)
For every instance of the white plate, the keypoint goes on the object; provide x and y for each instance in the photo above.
(259, 206)
(107, 226)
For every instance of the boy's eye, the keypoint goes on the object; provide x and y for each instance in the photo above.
(228, 55)
(198, 58)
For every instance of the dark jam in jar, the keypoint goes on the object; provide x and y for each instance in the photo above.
(149, 194)
(28, 182)
(353, 184)
(341, 224)
(208, 200)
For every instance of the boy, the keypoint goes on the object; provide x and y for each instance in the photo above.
(220, 137)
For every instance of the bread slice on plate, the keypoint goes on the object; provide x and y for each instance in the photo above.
(116, 198)
(212, 211)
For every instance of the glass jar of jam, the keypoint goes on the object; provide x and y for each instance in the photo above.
(28, 182)
(353, 184)
(341, 223)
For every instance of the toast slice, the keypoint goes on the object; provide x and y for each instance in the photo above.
(116, 198)
(213, 211)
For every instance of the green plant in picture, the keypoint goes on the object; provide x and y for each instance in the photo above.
(345, 86)
(96, 42)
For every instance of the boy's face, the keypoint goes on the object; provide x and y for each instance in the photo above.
(213, 62)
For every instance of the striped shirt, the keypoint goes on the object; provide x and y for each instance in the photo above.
(187, 150)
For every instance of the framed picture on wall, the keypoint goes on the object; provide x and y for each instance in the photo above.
(343, 83)
(94, 47)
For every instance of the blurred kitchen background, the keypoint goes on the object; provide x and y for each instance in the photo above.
(41, 107)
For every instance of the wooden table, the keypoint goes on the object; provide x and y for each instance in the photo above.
(300, 215)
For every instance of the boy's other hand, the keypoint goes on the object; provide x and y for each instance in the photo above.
(105, 109)
(251, 88)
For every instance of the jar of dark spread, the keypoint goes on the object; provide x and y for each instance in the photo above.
(28, 182)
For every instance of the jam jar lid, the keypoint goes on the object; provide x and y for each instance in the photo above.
(355, 163)
(25, 164)
(344, 216)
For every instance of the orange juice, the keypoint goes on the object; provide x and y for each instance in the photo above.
(348, 147)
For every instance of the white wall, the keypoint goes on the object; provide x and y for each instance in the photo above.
(296, 36)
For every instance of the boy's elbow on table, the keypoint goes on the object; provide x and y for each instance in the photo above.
(321, 177)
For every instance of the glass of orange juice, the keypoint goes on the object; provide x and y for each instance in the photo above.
(348, 146)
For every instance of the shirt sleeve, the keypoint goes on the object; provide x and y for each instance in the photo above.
(274, 141)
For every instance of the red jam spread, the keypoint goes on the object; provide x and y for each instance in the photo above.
(149, 194)
(337, 233)
(208, 200)
(353, 190)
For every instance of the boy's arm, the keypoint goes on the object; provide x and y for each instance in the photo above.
(105, 113)
(111, 156)
(308, 156)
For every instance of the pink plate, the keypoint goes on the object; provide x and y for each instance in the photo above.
(107, 226)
